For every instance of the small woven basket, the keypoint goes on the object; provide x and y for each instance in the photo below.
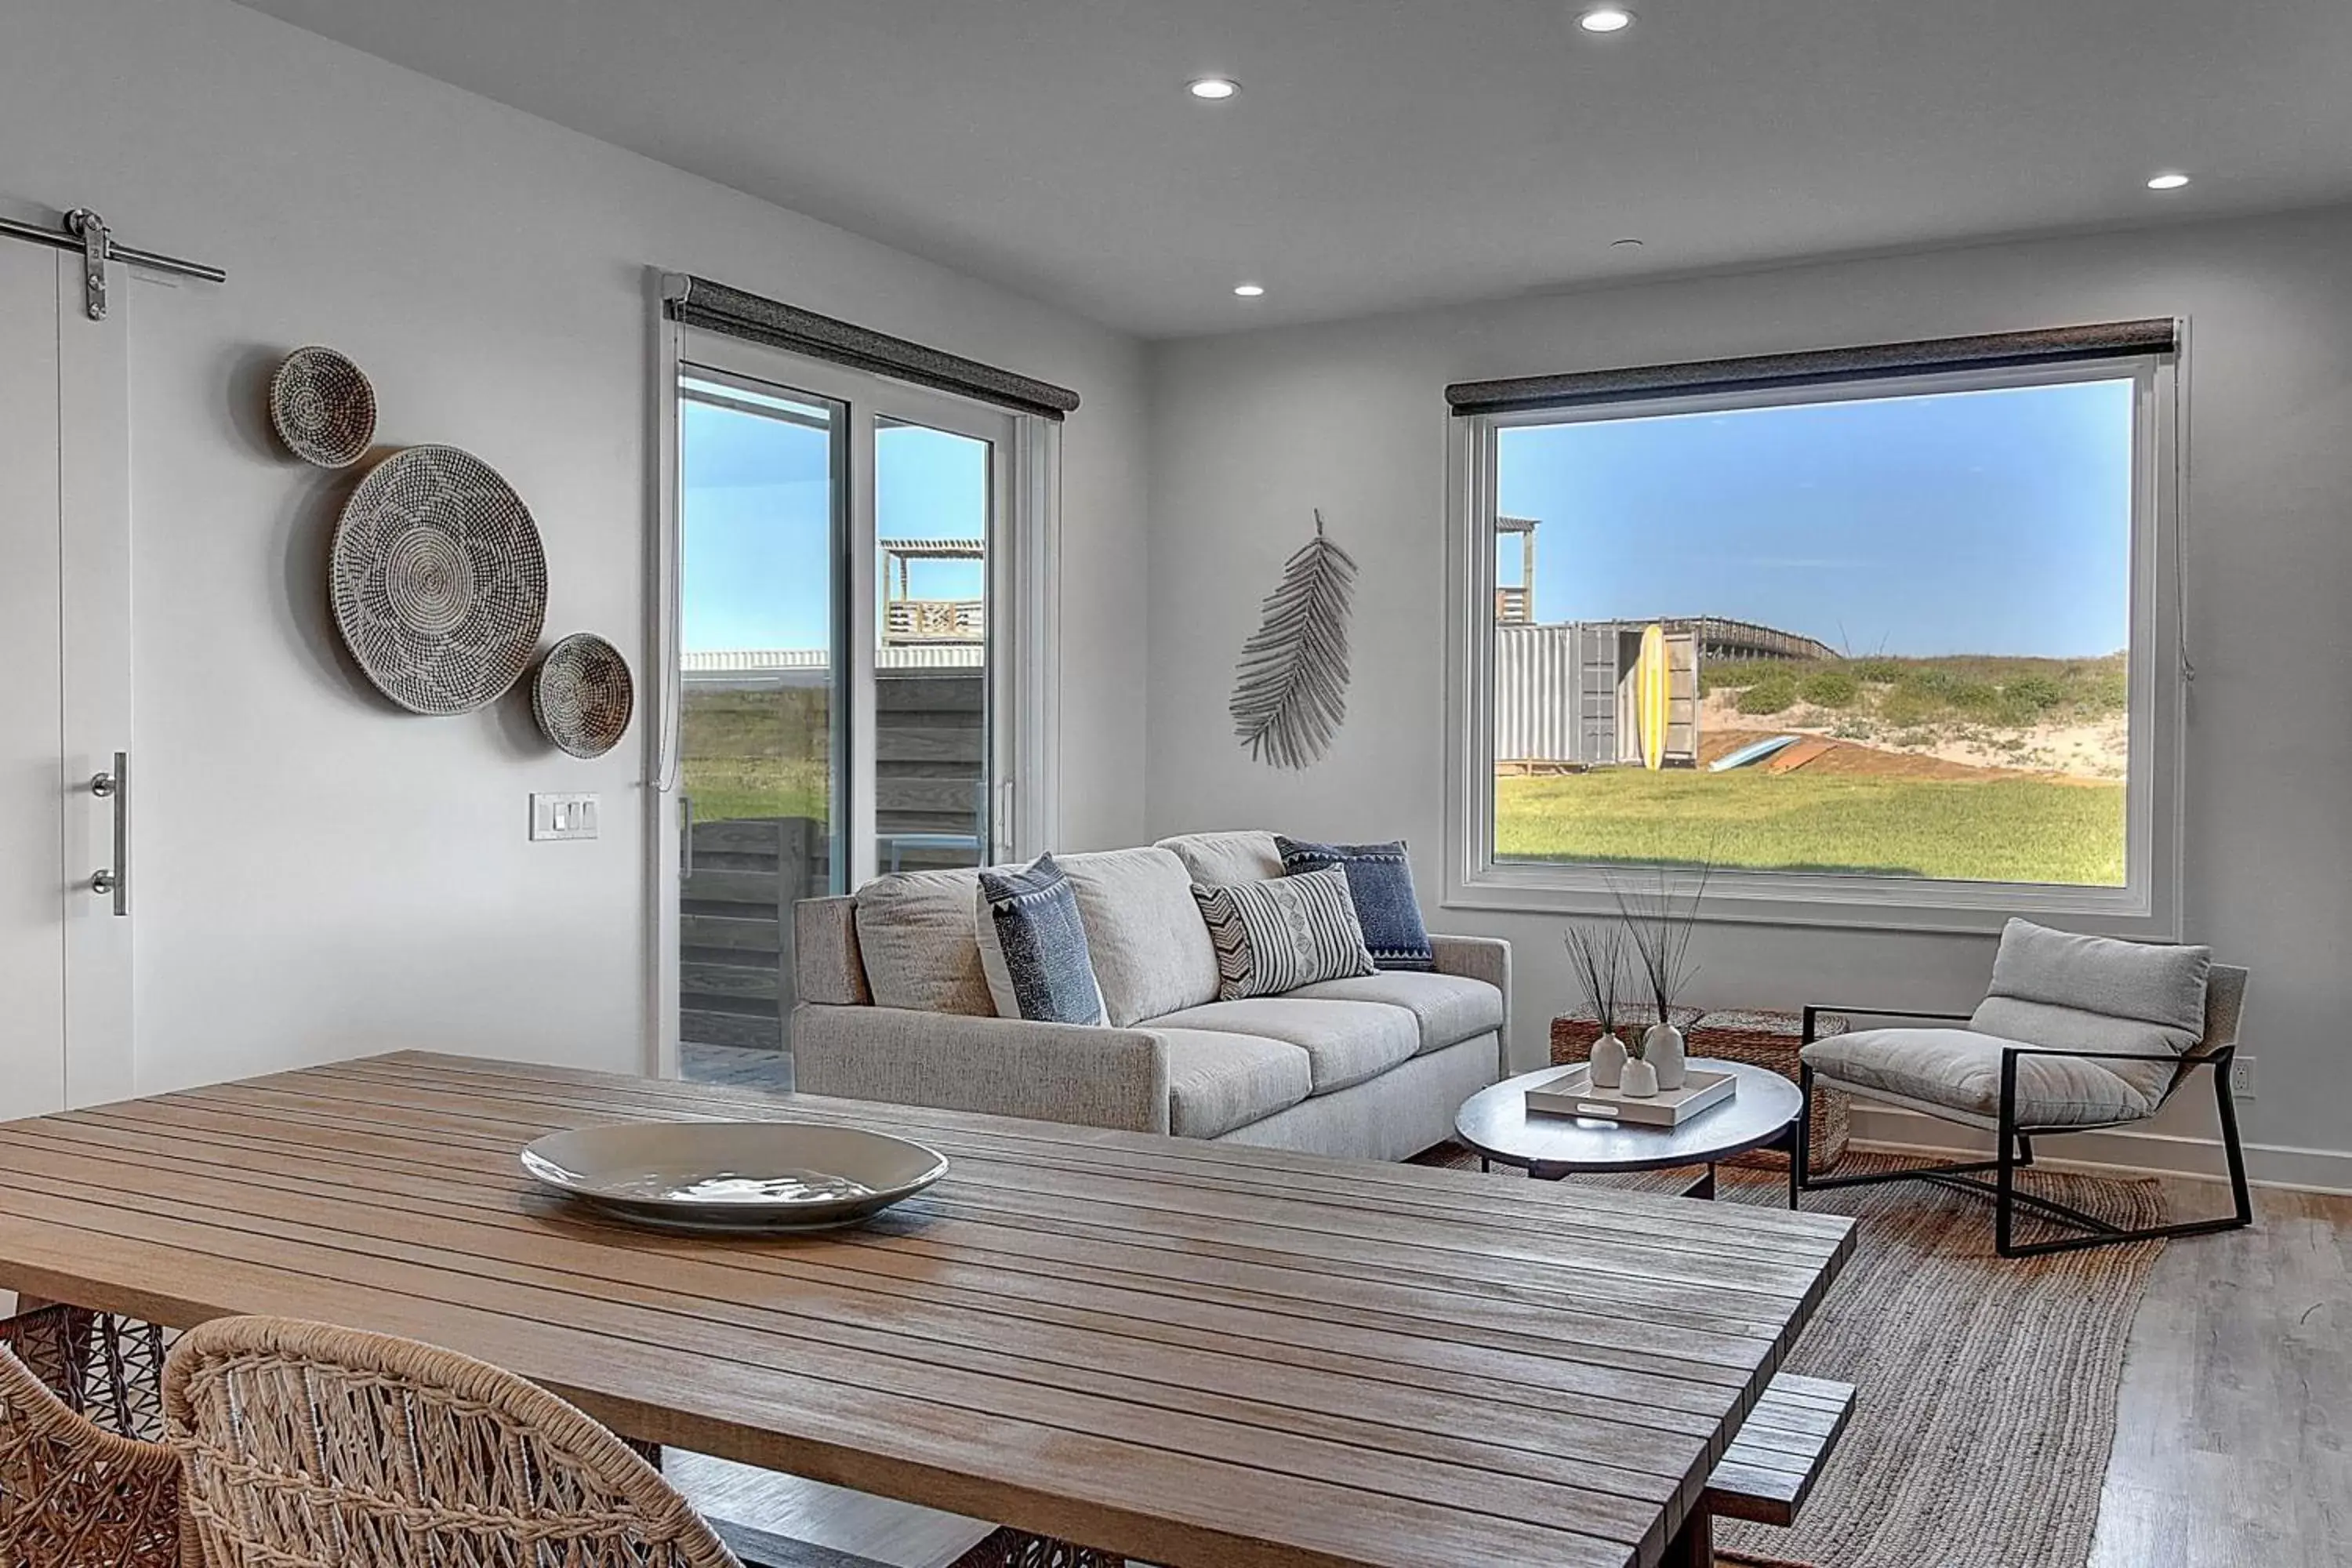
(1756, 1039)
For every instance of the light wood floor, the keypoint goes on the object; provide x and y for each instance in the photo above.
(2233, 1438)
(2236, 1415)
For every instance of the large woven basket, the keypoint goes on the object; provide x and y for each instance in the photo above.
(1758, 1039)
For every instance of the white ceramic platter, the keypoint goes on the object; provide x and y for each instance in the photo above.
(735, 1175)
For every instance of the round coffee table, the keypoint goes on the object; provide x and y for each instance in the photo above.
(1764, 1114)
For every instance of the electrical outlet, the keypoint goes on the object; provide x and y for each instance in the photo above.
(563, 816)
(2241, 1076)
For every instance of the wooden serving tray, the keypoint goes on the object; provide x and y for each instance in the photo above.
(1570, 1092)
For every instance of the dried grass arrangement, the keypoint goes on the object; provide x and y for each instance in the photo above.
(1596, 962)
(1659, 923)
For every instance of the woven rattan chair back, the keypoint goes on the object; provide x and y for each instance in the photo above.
(73, 1496)
(312, 1447)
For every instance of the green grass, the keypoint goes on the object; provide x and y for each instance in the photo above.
(738, 789)
(2009, 830)
(751, 755)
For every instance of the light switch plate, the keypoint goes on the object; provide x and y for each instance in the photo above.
(563, 815)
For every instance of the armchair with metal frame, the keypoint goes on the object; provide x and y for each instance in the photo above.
(2014, 1137)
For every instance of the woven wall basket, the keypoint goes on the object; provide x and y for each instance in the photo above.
(438, 582)
(582, 696)
(323, 407)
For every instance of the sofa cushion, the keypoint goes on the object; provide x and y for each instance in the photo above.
(1961, 1070)
(915, 931)
(1151, 953)
(2076, 992)
(1448, 1008)
(1379, 881)
(1218, 1081)
(1345, 1042)
(1033, 946)
(1216, 859)
(1273, 937)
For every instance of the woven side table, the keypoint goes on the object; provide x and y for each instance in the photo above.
(1758, 1037)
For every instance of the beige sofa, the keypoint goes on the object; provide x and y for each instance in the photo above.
(894, 1006)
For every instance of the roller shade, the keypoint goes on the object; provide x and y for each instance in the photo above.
(2054, 346)
(714, 307)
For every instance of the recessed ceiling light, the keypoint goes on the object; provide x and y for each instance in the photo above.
(1606, 19)
(1249, 290)
(2167, 182)
(1212, 89)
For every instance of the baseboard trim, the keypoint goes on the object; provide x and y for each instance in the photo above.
(1895, 1129)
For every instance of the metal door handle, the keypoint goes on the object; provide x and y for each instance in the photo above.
(686, 837)
(116, 879)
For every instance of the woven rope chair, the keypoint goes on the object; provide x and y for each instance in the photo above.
(313, 1446)
(73, 1496)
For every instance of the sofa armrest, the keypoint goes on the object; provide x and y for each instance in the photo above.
(826, 965)
(1486, 958)
(1075, 1073)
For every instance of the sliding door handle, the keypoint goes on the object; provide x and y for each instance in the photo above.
(685, 837)
(115, 879)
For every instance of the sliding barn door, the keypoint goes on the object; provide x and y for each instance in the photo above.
(65, 950)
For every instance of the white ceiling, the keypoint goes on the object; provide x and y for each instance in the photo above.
(1393, 152)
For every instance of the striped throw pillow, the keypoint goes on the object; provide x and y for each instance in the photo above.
(1275, 936)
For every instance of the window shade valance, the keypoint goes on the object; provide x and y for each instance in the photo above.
(2054, 346)
(715, 307)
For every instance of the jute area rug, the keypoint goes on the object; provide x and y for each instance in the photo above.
(1987, 1385)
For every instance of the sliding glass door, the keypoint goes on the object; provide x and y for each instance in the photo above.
(840, 690)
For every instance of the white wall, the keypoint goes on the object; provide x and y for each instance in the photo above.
(320, 876)
(1250, 431)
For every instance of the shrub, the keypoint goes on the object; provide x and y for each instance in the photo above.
(1733, 674)
(1975, 696)
(1878, 671)
(1830, 689)
(2102, 687)
(1772, 693)
(1907, 707)
(2035, 693)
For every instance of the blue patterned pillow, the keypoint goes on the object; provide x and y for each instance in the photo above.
(1380, 879)
(1033, 946)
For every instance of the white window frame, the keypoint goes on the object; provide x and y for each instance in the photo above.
(2148, 903)
(1023, 590)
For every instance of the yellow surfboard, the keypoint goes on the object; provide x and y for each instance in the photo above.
(1651, 687)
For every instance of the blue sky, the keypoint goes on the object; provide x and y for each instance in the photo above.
(757, 523)
(1963, 522)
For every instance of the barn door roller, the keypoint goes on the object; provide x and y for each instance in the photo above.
(83, 230)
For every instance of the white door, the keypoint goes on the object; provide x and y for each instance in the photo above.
(65, 950)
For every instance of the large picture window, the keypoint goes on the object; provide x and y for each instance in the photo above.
(1889, 646)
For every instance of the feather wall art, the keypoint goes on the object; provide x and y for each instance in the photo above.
(1290, 689)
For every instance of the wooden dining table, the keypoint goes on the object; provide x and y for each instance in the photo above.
(1193, 1354)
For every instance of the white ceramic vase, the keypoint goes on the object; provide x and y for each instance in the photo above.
(1608, 1061)
(1641, 1080)
(1662, 1047)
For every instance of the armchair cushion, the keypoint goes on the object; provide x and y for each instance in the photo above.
(1960, 1070)
(2071, 992)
